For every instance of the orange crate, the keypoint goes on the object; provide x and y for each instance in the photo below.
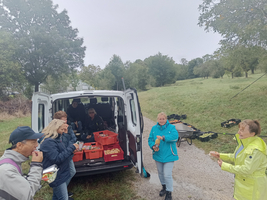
(113, 156)
(78, 156)
(95, 152)
(105, 137)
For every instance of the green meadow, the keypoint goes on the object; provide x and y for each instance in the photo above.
(208, 102)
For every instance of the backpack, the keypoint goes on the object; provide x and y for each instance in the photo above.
(8, 160)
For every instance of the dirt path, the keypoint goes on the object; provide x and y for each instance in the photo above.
(196, 176)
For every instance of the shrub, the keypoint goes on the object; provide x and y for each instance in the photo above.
(18, 104)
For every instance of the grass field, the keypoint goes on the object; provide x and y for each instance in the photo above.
(207, 103)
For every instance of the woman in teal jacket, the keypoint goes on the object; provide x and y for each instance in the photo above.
(248, 162)
(164, 153)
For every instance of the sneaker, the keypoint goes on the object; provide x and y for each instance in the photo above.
(70, 194)
(71, 198)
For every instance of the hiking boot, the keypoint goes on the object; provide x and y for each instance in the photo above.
(168, 195)
(163, 191)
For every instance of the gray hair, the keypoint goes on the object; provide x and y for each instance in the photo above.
(14, 146)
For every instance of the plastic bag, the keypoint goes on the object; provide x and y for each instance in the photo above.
(50, 173)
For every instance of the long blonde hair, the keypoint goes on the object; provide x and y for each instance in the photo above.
(51, 130)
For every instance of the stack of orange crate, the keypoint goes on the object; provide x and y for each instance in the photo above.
(109, 140)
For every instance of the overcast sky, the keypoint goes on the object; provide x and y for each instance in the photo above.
(137, 29)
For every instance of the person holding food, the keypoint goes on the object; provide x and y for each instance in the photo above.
(13, 184)
(55, 152)
(248, 162)
(162, 140)
(67, 137)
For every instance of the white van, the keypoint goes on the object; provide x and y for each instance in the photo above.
(119, 109)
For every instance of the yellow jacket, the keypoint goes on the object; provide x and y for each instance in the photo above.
(249, 168)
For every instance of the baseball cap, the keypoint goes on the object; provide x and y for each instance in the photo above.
(23, 133)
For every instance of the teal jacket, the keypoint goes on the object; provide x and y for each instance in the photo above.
(167, 148)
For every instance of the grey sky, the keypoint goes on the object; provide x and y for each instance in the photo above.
(137, 29)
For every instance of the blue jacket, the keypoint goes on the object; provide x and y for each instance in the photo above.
(167, 148)
(55, 152)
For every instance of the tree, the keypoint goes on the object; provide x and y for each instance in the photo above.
(246, 58)
(229, 64)
(217, 69)
(162, 69)
(191, 65)
(184, 61)
(263, 60)
(89, 73)
(203, 70)
(46, 44)
(116, 67)
(62, 83)
(181, 71)
(11, 77)
(53, 85)
(73, 79)
(238, 21)
(136, 75)
(105, 80)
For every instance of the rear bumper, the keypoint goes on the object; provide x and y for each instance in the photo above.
(100, 168)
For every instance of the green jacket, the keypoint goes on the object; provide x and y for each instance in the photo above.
(249, 168)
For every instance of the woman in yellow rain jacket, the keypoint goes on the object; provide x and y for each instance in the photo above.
(248, 162)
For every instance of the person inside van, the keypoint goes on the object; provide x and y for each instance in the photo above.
(76, 115)
(93, 123)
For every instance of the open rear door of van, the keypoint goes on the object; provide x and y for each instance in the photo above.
(41, 111)
(135, 125)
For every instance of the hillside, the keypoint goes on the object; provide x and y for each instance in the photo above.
(207, 103)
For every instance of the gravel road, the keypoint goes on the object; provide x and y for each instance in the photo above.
(195, 175)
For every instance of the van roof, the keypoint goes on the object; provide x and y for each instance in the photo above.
(82, 93)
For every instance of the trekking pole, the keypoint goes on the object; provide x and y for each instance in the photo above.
(247, 86)
(232, 134)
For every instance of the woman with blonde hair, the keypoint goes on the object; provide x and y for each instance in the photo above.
(248, 162)
(162, 140)
(55, 152)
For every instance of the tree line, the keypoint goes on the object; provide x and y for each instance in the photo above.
(39, 48)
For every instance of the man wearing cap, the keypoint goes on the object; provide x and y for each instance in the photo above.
(13, 185)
